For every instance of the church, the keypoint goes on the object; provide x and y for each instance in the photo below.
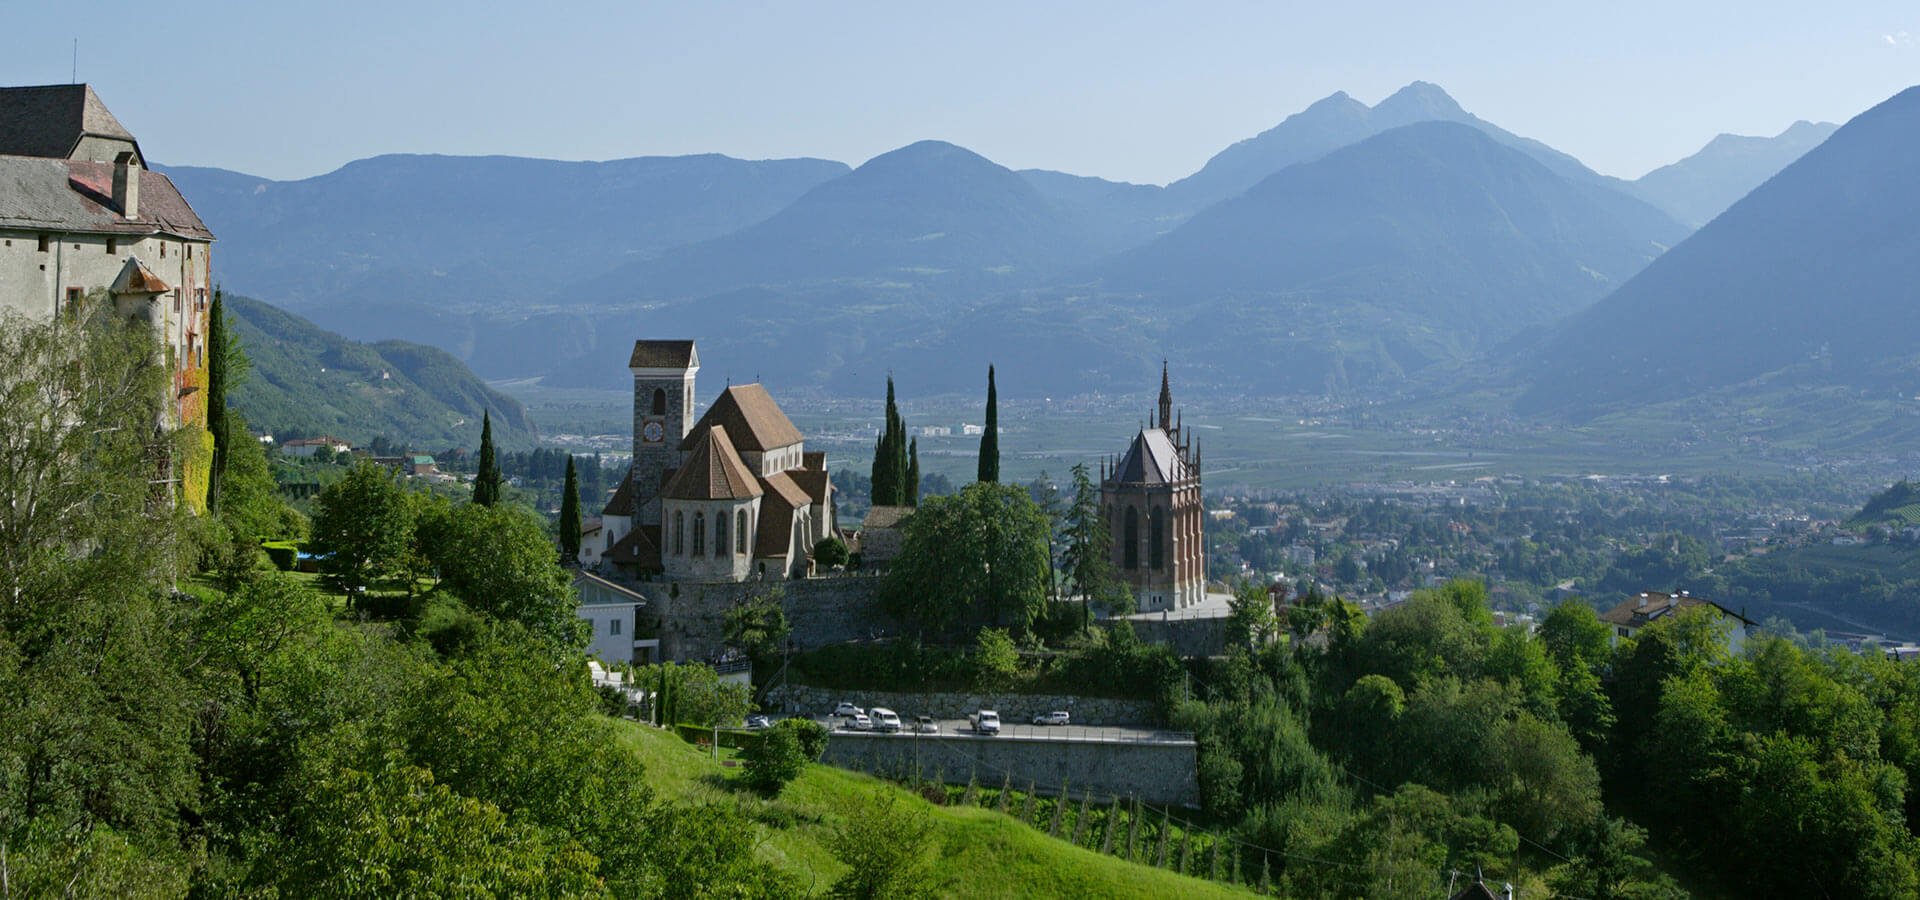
(1151, 502)
(730, 497)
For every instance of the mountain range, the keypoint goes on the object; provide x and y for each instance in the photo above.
(1347, 246)
(1807, 281)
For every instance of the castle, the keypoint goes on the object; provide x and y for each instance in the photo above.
(731, 497)
(1151, 502)
(80, 216)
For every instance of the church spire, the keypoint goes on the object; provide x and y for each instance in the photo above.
(1166, 399)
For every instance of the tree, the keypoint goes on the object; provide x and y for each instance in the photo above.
(990, 436)
(486, 479)
(500, 561)
(892, 471)
(829, 552)
(913, 472)
(1250, 620)
(570, 517)
(1087, 559)
(219, 350)
(888, 847)
(773, 760)
(758, 626)
(361, 527)
(995, 661)
(979, 556)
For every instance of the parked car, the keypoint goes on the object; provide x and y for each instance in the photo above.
(925, 725)
(848, 709)
(1057, 717)
(884, 719)
(856, 722)
(986, 721)
(759, 722)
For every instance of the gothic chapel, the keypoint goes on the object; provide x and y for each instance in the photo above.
(1151, 501)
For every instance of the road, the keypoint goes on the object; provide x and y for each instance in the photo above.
(1023, 731)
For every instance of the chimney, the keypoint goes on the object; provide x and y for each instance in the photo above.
(126, 185)
(1643, 600)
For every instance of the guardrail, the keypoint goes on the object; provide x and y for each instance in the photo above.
(1090, 734)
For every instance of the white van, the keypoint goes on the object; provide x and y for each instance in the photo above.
(884, 719)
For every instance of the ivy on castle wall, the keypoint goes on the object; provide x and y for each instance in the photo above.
(196, 442)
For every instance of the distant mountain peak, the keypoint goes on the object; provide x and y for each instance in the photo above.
(1420, 100)
(920, 154)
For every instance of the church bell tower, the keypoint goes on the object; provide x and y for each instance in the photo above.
(663, 374)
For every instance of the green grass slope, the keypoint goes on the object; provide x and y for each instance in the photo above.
(981, 853)
(312, 381)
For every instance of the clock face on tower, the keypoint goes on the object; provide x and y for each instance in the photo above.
(653, 432)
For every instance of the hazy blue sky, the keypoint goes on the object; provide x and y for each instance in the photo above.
(1135, 91)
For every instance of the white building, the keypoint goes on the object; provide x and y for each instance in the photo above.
(1649, 607)
(612, 611)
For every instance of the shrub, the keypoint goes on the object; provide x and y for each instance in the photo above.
(774, 760)
(284, 554)
(812, 736)
(830, 552)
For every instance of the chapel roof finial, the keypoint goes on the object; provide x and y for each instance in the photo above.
(1166, 399)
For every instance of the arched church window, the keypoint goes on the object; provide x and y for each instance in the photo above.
(720, 534)
(1157, 537)
(740, 532)
(659, 401)
(1132, 538)
(699, 534)
(679, 533)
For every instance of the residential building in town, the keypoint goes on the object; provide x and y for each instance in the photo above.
(1637, 612)
(1151, 501)
(313, 445)
(612, 612)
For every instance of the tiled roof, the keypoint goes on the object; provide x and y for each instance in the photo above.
(886, 517)
(65, 195)
(639, 549)
(751, 418)
(713, 471)
(625, 500)
(816, 482)
(663, 355)
(1633, 613)
(627, 594)
(49, 120)
(789, 491)
(136, 278)
(1151, 459)
(776, 527)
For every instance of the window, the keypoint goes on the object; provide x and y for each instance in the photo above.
(113, 246)
(679, 533)
(44, 241)
(73, 300)
(1132, 539)
(720, 534)
(699, 534)
(1157, 536)
(613, 626)
(659, 401)
(740, 532)
(163, 249)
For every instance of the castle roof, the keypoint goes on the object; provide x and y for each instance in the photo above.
(50, 120)
(136, 278)
(663, 355)
(713, 471)
(1152, 459)
(751, 418)
(38, 194)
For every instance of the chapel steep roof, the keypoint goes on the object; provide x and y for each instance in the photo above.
(1152, 459)
(713, 471)
(752, 419)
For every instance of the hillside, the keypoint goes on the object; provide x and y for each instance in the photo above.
(476, 230)
(1432, 232)
(1805, 282)
(981, 853)
(928, 213)
(310, 381)
(1696, 189)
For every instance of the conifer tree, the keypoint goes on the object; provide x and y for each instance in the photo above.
(570, 517)
(486, 480)
(890, 463)
(913, 473)
(217, 396)
(990, 437)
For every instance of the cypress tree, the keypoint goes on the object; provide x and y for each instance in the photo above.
(890, 457)
(882, 471)
(990, 437)
(913, 473)
(217, 396)
(486, 480)
(570, 517)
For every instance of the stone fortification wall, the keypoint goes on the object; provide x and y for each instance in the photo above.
(1187, 637)
(692, 625)
(812, 701)
(1158, 772)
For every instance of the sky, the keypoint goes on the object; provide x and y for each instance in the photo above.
(1141, 92)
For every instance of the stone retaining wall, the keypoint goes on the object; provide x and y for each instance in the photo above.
(1157, 772)
(800, 698)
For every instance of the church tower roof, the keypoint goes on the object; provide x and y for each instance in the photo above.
(1166, 399)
